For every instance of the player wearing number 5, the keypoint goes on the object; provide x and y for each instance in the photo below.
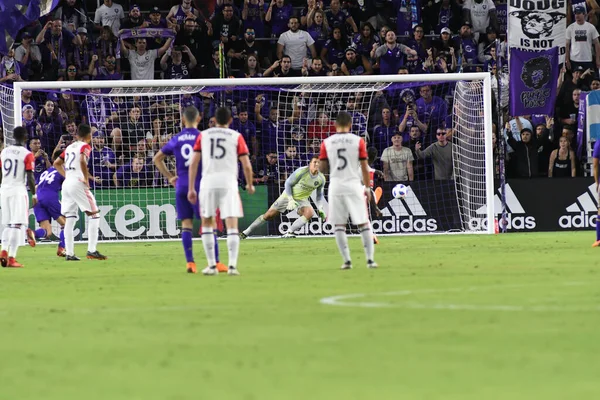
(76, 194)
(181, 146)
(219, 148)
(344, 156)
(18, 165)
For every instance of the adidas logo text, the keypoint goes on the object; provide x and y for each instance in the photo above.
(583, 212)
(516, 218)
(405, 215)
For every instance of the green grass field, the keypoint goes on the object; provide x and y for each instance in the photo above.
(444, 317)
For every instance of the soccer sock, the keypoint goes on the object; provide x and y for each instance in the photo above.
(40, 233)
(93, 228)
(70, 236)
(217, 249)
(15, 239)
(186, 240)
(6, 238)
(367, 240)
(61, 242)
(233, 246)
(208, 241)
(598, 228)
(257, 222)
(299, 223)
(342, 242)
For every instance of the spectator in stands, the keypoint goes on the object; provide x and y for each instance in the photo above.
(29, 55)
(30, 123)
(469, 47)
(542, 132)
(365, 40)
(42, 161)
(106, 44)
(595, 85)
(266, 170)
(213, 69)
(390, 54)
(82, 54)
(136, 174)
(525, 151)
(59, 42)
(247, 129)
(440, 64)
(179, 14)
(253, 16)
(315, 68)
(309, 9)
(251, 68)
(71, 74)
(68, 107)
(175, 68)
(418, 43)
(362, 11)
(432, 110)
(134, 20)
(155, 20)
(51, 123)
(297, 139)
(442, 14)
(278, 14)
(108, 72)
(133, 131)
(378, 102)
(422, 168)
(244, 48)
(109, 14)
(10, 68)
(397, 161)
(102, 163)
(444, 43)
(318, 28)
(355, 64)
(383, 33)
(334, 50)
(72, 15)
(408, 15)
(322, 127)
(411, 118)
(295, 43)
(569, 110)
(480, 14)
(290, 160)
(581, 37)
(441, 155)
(142, 60)
(282, 68)
(563, 163)
(487, 44)
(26, 99)
(339, 17)
(382, 133)
(197, 38)
(226, 27)
(314, 148)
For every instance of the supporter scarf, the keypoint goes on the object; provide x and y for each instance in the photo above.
(57, 45)
(145, 33)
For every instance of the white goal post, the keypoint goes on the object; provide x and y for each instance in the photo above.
(482, 112)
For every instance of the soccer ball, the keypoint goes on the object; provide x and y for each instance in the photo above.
(399, 191)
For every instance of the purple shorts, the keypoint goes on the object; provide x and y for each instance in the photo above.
(186, 210)
(47, 209)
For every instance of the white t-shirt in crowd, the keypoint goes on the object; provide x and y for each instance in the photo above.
(295, 45)
(581, 37)
(142, 66)
(110, 16)
(480, 14)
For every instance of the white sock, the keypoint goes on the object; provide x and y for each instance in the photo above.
(233, 246)
(70, 235)
(15, 238)
(257, 222)
(367, 240)
(6, 238)
(93, 227)
(342, 242)
(208, 241)
(299, 223)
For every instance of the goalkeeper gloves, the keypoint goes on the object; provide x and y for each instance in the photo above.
(292, 204)
(322, 214)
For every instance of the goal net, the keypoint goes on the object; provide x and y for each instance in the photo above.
(284, 122)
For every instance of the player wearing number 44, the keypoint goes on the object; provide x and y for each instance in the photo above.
(298, 188)
(181, 146)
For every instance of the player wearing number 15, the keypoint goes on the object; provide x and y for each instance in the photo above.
(219, 148)
(18, 165)
(344, 156)
(76, 194)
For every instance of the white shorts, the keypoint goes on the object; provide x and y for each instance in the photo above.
(15, 209)
(227, 201)
(342, 206)
(75, 196)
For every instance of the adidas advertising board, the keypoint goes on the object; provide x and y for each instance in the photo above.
(581, 214)
(517, 219)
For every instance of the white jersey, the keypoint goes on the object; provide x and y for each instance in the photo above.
(15, 160)
(72, 160)
(344, 151)
(221, 148)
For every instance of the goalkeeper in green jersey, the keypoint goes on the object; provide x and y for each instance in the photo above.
(298, 188)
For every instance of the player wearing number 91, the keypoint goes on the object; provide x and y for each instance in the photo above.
(219, 148)
(181, 146)
(344, 156)
(17, 170)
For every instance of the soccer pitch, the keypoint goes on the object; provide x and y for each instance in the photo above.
(513, 316)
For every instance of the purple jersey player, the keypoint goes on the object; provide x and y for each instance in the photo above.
(48, 207)
(596, 172)
(181, 146)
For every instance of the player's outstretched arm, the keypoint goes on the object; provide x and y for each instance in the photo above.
(159, 162)
(247, 167)
(58, 165)
(192, 172)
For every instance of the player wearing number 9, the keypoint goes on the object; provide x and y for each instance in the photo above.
(181, 146)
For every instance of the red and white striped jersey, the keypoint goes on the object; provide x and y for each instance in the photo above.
(72, 157)
(344, 152)
(15, 160)
(221, 148)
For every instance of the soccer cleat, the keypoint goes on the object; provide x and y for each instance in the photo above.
(61, 252)
(4, 258)
(232, 271)
(221, 267)
(243, 235)
(347, 265)
(72, 258)
(191, 268)
(372, 264)
(96, 255)
(30, 237)
(596, 243)
(375, 240)
(210, 271)
(12, 263)
(289, 235)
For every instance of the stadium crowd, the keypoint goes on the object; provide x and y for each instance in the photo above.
(409, 125)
